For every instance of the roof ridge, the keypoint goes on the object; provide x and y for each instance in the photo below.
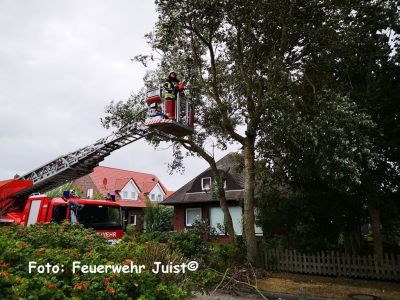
(125, 170)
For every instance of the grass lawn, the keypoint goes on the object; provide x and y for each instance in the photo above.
(337, 288)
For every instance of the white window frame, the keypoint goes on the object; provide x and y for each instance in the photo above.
(202, 184)
(125, 195)
(89, 194)
(192, 209)
(237, 219)
(152, 197)
(159, 197)
(135, 218)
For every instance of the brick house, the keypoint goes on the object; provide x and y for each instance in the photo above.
(195, 200)
(129, 187)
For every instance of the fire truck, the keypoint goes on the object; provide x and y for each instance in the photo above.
(23, 200)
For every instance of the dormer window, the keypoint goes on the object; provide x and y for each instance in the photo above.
(206, 183)
(157, 193)
(130, 191)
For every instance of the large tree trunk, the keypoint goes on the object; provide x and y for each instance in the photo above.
(352, 238)
(227, 218)
(248, 215)
(224, 205)
(376, 230)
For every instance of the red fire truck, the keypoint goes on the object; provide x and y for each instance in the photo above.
(23, 200)
(102, 215)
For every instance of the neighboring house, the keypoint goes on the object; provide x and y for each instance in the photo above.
(196, 201)
(129, 187)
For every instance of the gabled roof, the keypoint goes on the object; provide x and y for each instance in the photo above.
(189, 193)
(109, 180)
(121, 183)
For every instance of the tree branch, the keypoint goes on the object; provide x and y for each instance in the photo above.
(221, 106)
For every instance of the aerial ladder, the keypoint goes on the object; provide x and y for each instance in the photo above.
(18, 206)
(80, 162)
(23, 202)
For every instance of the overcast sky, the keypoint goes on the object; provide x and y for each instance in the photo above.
(61, 63)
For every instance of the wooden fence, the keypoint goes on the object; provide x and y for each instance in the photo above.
(334, 264)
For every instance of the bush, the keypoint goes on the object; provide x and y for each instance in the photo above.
(224, 256)
(190, 244)
(62, 244)
(158, 217)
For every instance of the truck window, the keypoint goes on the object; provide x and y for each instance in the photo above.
(59, 213)
(98, 216)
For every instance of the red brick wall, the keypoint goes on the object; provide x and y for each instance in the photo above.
(139, 217)
(179, 218)
(84, 183)
(180, 221)
(223, 239)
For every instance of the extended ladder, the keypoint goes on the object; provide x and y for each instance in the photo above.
(81, 162)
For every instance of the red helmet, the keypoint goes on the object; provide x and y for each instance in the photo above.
(172, 74)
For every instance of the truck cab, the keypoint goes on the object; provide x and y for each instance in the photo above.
(104, 216)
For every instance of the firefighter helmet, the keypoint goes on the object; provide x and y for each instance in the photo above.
(172, 74)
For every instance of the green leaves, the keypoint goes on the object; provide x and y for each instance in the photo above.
(64, 244)
(158, 217)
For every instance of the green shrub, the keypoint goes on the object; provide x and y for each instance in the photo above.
(158, 217)
(62, 244)
(224, 256)
(190, 244)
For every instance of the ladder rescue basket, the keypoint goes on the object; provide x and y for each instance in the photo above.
(170, 116)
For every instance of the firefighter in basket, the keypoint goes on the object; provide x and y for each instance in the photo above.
(172, 87)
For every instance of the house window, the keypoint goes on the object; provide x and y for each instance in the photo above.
(206, 183)
(124, 194)
(192, 214)
(152, 197)
(217, 219)
(133, 196)
(159, 197)
(133, 219)
(89, 193)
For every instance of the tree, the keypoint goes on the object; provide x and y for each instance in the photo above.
(220, 42)
(121, 113)
(273, 76)
(335, 125)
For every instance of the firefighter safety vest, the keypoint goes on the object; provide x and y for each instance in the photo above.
(169, 90)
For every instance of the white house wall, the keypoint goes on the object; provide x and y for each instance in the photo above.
(157, 191)
(130, 188)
